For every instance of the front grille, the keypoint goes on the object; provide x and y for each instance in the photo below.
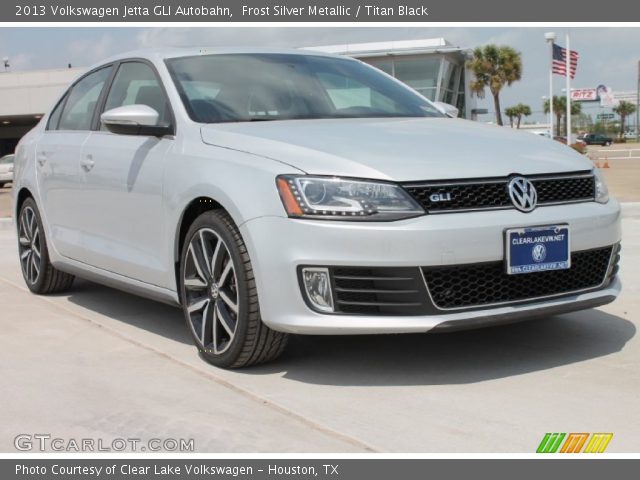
(379, 291)
(492, 193)
(401, 291)
(477, 285)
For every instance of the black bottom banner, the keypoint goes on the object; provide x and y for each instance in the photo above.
(343, 469)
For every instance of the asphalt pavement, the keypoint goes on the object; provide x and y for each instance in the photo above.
(100, 363)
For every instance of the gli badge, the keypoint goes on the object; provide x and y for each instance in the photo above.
(440, 197)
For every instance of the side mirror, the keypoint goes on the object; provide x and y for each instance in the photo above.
(448, 110)
(134, 120)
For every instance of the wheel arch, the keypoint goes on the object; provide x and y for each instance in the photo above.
(22, 195)
(193, 210)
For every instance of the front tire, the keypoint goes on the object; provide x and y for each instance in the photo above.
(219, 296)
(39, 274)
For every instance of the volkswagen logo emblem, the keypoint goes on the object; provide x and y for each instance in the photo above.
(539, 253)
(523, 194)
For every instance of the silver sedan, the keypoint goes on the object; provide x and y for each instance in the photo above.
(270, 192)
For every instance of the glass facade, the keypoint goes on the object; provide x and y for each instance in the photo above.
(437, 76)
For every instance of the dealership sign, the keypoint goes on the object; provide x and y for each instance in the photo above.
(602, 94)
(584, 95)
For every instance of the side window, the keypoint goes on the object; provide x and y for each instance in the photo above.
(54, 118)
(136, 84)
(83, 98)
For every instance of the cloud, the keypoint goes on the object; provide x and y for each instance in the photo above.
(86, 51)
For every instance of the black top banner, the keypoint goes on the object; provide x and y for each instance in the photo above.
(318, 11)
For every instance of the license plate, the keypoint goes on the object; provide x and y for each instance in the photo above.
(537, 249)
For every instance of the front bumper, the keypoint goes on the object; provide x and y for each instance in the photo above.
(278, 246)
(6, 177)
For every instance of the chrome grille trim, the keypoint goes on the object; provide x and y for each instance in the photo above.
(487, 195)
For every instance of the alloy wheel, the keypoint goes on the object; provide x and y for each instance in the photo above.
(211, 291)
(30, 245)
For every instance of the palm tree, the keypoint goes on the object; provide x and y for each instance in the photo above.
(511, 113)
(517, 112)
(560, 110)
(624, 109)
(522, 110)
(559, 107)
(494, 67)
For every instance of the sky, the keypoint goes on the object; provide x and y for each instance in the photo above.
(608, 56)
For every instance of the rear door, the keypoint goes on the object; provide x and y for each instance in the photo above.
(121, 203)
(57, 160)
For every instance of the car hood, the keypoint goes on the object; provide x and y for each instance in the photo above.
(397, 149)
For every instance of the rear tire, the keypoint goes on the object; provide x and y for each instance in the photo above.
(219, 297)
(39, 274)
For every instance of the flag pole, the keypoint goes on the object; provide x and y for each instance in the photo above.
(568, 73)
(550, 38)
(551, 92)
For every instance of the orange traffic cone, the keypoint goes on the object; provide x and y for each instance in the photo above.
(606, 163)
(597, 164)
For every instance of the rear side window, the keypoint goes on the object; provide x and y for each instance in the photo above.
(80, 105)
(136, 84)
(54, 118)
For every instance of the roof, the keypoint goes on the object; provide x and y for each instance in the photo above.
(400, 47)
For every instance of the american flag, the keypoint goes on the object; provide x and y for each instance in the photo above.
(560, 61)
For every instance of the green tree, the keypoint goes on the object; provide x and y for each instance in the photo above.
(516, 113)
(560, 111)
(494, 67)
(624, 109)
(584, 122)
(522, 110)
(511, 113)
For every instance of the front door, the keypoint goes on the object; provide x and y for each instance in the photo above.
(122, 175)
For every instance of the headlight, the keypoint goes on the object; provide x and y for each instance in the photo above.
(345, 199)
(602, 192)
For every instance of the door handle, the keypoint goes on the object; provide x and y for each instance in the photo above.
(42, 158)
(87, 163)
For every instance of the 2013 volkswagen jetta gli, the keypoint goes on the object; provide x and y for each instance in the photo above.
(275, 192)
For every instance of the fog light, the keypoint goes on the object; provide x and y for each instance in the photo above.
(317, 286)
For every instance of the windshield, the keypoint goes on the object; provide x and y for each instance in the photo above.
(6, 159)
(254, 87)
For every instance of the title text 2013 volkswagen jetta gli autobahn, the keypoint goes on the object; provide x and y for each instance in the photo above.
(275, 192)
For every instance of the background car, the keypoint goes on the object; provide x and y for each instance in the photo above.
(6, 170)
(597, 139)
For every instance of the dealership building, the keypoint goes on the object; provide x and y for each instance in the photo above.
(433, 67)
(25, 97)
